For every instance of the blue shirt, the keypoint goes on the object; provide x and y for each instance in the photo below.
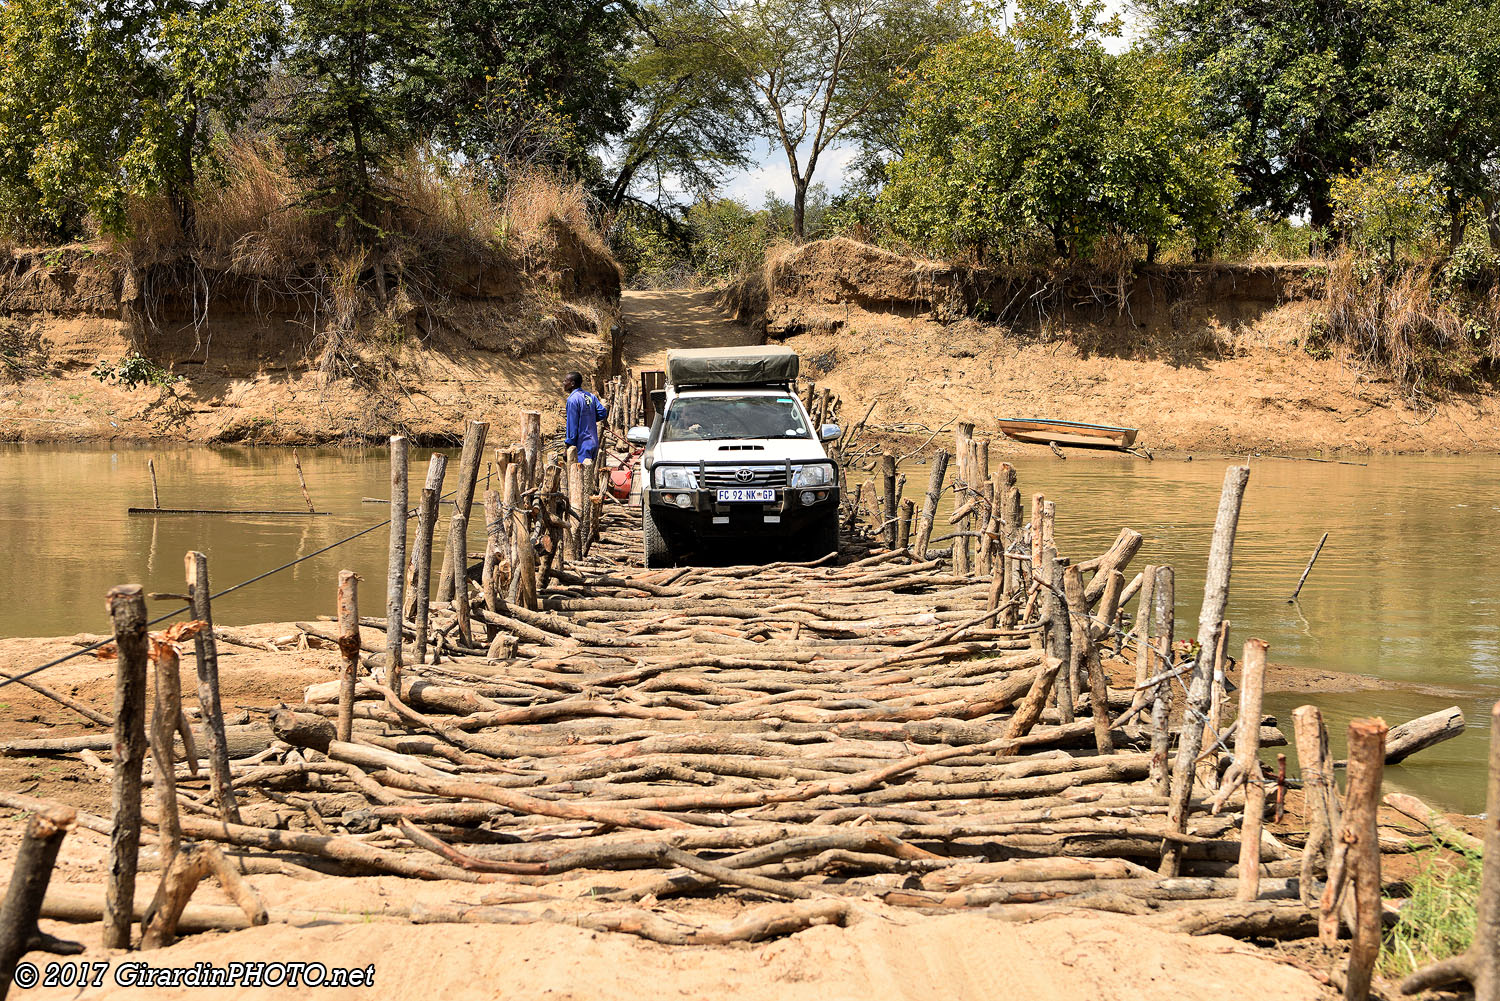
(585, 411)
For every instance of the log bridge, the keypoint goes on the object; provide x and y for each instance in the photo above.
(891, 726)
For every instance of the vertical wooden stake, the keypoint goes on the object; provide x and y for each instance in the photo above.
(349, 648)
(207, 667)
(903, 523)
(1319, 795)
(1059, 638)
(167, 709)
(28, 886)
(395, 582)
(418, 603)
(1084, 651)
(155, 496)
(930, 504)
(496, 548)
(458, 543)
(889, 530)
(1162, 629)
(1247, 760)
(1357, 857)
(302, 482)
(127, 610)
(1215, 599)
(463, 500)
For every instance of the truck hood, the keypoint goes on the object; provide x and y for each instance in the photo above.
(749, 452)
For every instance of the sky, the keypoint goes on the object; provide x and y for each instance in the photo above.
(770, 173)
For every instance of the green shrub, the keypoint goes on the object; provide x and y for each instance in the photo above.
(1437, 920)
(132, 371)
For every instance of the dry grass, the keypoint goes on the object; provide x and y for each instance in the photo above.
(1427, 337)
(535, 202)
(256, 218)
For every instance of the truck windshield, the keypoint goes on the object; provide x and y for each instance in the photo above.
(721, 418)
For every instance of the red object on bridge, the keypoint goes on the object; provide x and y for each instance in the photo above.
(621, 479)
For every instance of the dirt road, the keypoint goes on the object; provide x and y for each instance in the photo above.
(658, 320)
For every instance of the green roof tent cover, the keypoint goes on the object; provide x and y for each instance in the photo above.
(746, 366)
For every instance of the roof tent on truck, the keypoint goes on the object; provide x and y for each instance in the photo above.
(763, 365)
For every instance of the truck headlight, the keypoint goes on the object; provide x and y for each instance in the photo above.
(677, 477)
(819, 475)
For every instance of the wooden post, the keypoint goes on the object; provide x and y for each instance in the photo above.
(1141, 630)
(888, 530)
(1059, 638)
(1307, 569)
(417, 602)
(28, 886)
(164, 716)
(523, 576)
(551, 477)
(1319, 795)
(395, 581)
(903, 523)
(1084, 650)
(930, 504)
(1247, 763)
(1480, 965)
(571, 535)
(1215, 599)
(1160, 635)
(463, 500)
(127, 610)
(1356, 858)
(206, 665)
(302, 482)
(458, 546)
(496, 548)
(1208, 765)
(348, 607)
(178, 881)
(531, 446)
(155, 496)
(985, 490)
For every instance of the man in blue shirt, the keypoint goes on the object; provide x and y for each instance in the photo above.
(585, 411)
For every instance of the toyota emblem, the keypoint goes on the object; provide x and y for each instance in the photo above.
(744, 475)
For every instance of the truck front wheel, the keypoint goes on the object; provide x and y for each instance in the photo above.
(823, 538)
(658, 552)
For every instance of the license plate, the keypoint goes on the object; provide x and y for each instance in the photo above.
(738, 496)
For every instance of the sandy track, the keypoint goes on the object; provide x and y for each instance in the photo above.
(658, 320)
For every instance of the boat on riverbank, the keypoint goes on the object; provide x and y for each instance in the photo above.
(1041, 431)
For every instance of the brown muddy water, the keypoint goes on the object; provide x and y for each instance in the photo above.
(1404, 591)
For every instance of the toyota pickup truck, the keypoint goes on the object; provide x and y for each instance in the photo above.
(732, 456)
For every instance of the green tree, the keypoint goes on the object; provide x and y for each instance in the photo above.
(817, 68)
(357, 67)
(530, 80)
(1383, 205)
(1295, 82)
(691, 115)
(1041, 130)
(1444, 107)
(104, 99)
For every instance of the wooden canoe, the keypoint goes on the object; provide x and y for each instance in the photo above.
(1038, 431)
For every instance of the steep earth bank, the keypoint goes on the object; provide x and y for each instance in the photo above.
(261, 359)
(1201, 357)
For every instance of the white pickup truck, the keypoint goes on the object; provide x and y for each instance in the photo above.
(732, 456)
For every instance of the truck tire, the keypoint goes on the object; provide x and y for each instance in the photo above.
(823, 538)
(658, 553)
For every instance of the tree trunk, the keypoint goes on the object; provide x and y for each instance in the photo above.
(799, 208)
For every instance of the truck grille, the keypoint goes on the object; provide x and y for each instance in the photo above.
(760, 476)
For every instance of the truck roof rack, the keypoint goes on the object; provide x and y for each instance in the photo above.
(736, 366)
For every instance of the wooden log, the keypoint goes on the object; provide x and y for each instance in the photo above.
(84, 904)
(930, 504)
(206, 666)
(395, 581)
(233, 884)
(348, 607)
(458, 550)
(302, 482)
(1215, 599)
(1424, 731)
(1085, 652)
(166, 711)
(496, 546)
(1117, 557)
(1480, 964)
(63, 700)
(1320, 795)
(127, 610)
(1307, 570)
(888, 493)
(305, 729)
(1247, 763)
(524, 585)
(1159, 639)
(1356, 858)
(417, 605)
(531, 444)
(1057, 630)
(904, 523)
(463, 500)
(28, 887)
(178, 881)
(1441, 829)
(155, 494)
(1141, 630)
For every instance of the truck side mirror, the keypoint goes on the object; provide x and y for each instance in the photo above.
(638, 435)
(828, 432)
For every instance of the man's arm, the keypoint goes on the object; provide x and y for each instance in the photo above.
(601, 412)
(571, 435)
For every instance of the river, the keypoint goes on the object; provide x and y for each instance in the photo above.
(1404, 589)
